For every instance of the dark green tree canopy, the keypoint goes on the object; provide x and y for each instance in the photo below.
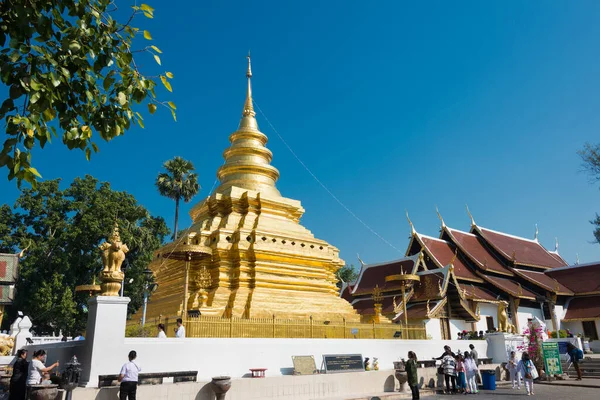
(347, 273)
(63, 229)
(70, 70)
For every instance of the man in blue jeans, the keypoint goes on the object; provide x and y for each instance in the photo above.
(129, 378)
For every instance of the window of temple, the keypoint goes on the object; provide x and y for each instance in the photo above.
(490, 323)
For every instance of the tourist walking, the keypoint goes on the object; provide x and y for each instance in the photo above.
(471, 373)
(18, 380)
(180, 330)
(37, 368)
(576, 356)
(129, 378)
(411, 372)
(460, 369)
(528, 372)
(161, 331)
(515, 375)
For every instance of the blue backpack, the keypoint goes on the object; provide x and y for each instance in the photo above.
(579, 354)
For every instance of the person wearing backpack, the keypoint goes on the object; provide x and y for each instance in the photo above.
(576, 356)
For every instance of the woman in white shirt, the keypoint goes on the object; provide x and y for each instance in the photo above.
(37, 368)
(161, 331)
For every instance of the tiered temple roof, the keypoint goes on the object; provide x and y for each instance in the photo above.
(482, 265)
(581, 279)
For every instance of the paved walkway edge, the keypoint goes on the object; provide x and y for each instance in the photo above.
(574, 384)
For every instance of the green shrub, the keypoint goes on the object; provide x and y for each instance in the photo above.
(138, 331)
(562, 333)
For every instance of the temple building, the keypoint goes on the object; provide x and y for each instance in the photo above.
(582, 312)
(246, 254)
(480, 280)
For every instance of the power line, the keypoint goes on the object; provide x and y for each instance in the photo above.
(322, 184)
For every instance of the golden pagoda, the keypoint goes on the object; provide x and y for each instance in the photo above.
(246, 254)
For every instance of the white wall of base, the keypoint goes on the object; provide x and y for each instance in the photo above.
(486, 310)
(433, 328)
(310, 387)
(457, 325)
(525, 312)
(234, 357)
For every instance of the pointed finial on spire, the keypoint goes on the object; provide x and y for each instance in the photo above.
(360, 261)
(470, 216)
(537, 232)
(440, 217)
(576, 258)
(556, 245)
(412, 227)
(248, 106)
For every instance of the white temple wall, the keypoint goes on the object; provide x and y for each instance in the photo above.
(525, 313)
(234, 357)
(458, 325)
(486, 310)
(559, 312)
(433, 328)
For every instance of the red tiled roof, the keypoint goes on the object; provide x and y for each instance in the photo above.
(526, 251)
(543, 280)
(443, 252)
(374, 274)
(366, 305)
(510, 286)
(473, 246)
(416, 311)
(478, 293)
(583, 308)
(579, 279)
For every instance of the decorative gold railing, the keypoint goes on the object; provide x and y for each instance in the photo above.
(215, 327)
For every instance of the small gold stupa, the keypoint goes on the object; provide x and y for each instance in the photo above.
(246, 254)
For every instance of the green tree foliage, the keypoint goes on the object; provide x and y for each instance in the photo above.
(178, 183)
(590, 155)
(63, 229)
(347, 273)
(70, 71)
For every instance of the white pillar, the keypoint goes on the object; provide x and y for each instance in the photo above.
(105, 333)
(24, 326)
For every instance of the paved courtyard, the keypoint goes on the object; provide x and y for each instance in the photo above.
(541, 392)
(551, 392)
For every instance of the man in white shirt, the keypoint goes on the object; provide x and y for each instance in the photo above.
(180, 330)
(129, 378)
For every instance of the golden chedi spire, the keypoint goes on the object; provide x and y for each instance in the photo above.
(247, 160)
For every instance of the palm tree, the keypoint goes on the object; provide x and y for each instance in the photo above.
(178, 183)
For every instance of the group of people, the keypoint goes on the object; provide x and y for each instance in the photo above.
(460, 369)
(179, 330)
(26, 374)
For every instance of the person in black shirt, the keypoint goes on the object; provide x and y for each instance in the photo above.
(18, 380)
(447, 350)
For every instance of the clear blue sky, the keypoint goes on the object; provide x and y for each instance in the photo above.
(393, 106)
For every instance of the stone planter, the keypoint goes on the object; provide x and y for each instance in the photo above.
(401, 374)
(220, 385)
(43, 392)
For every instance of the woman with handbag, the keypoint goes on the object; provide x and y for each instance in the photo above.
(528, 371)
